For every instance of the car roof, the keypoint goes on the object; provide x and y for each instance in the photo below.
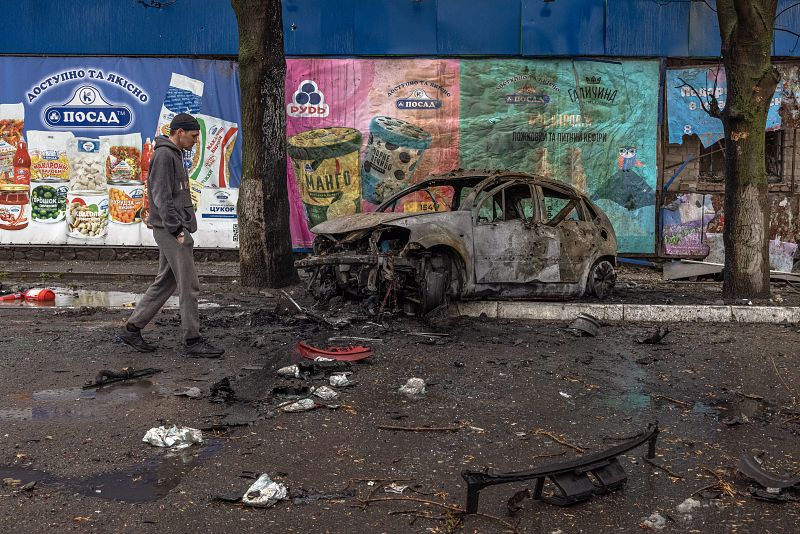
(480, 175)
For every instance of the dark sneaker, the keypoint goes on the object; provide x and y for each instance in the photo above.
(202, 349)
(135, 340)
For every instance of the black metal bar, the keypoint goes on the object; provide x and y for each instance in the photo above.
(478, 480)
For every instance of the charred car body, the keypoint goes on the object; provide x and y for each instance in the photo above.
(467, 235)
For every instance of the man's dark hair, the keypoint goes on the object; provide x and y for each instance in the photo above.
(183, 121)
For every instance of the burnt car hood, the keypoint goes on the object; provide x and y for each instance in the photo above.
(359, 221)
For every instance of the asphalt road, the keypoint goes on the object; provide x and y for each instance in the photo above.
(501, 395)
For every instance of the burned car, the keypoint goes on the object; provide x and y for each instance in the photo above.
(467, 235)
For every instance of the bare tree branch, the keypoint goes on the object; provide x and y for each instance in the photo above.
(712, 105)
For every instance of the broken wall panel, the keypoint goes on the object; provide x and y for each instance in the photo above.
(685, 218)
(783, 231)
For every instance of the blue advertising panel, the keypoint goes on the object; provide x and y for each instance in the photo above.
(685, 88)
(90, 125)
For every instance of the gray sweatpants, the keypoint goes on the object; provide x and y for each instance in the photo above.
(175, 270)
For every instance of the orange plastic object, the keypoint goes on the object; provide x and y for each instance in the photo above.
(40, 294)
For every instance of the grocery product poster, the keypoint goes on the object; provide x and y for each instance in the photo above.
(592, 124)
(77, 134)
(361, 130)
(686, 87)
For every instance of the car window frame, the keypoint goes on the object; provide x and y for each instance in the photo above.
(489, 193)
(575, 202)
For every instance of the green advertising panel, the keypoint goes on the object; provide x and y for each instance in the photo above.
(592, 124)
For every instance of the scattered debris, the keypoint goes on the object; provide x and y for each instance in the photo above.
(656, 337)
(303, 496)
(394, 487)
(341, 380)
(325, 393)
(655, 522)
(264, 493)
(222, 390)
(565, 395)
(192, 393)
(571, 477)
(585, 325)
(688, 505)
(750, 467)
(414, 386)
(291, 371)
(342, 354)
(282, 307)
(173, 437)
(303, 405)
(108, 376)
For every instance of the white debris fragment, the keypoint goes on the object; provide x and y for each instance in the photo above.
(175, 437)
(414, 386)
(265, 493)
(688, 505)
(565, 395)
(340, 380)
(656, 521)
(323, 359)
(394, 487)
(192, 393)
(292, 371)
(303, 405)
(325, 393)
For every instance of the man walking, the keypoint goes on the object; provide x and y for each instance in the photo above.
(173, 220)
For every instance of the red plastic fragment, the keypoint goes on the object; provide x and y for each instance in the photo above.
(342, 354)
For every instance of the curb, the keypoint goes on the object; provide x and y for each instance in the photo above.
(53, 276)
(630, 313)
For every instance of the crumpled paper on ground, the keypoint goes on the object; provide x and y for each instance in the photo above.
(173, 437)
(414, 386)
(265, 493)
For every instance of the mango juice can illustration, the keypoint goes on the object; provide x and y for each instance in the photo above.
(394, 148)
(326, 164)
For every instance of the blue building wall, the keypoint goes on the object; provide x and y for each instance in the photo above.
(620, 28)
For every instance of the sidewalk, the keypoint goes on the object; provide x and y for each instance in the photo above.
(88, 271)
(640, 296)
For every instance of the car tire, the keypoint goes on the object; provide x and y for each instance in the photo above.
(434, 290)
(601, 281)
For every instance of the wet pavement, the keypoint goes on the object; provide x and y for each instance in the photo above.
(514, 394)
(76, 298)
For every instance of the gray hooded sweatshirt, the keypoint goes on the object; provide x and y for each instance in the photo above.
(168, 190)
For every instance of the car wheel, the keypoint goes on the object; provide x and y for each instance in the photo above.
(602, 278)
(433, 292)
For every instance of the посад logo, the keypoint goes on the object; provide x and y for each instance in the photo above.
(418, 99)
(307, 101)
(527, 95)
(88, 109)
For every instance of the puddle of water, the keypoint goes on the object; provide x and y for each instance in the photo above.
(146, 482)
(68, 298)
(729, 410)
(66, 404)
(627, 402)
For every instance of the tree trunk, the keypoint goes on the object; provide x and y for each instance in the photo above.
(265, 250)
(746, 28)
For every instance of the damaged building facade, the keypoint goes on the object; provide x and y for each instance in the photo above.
(568, 94)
